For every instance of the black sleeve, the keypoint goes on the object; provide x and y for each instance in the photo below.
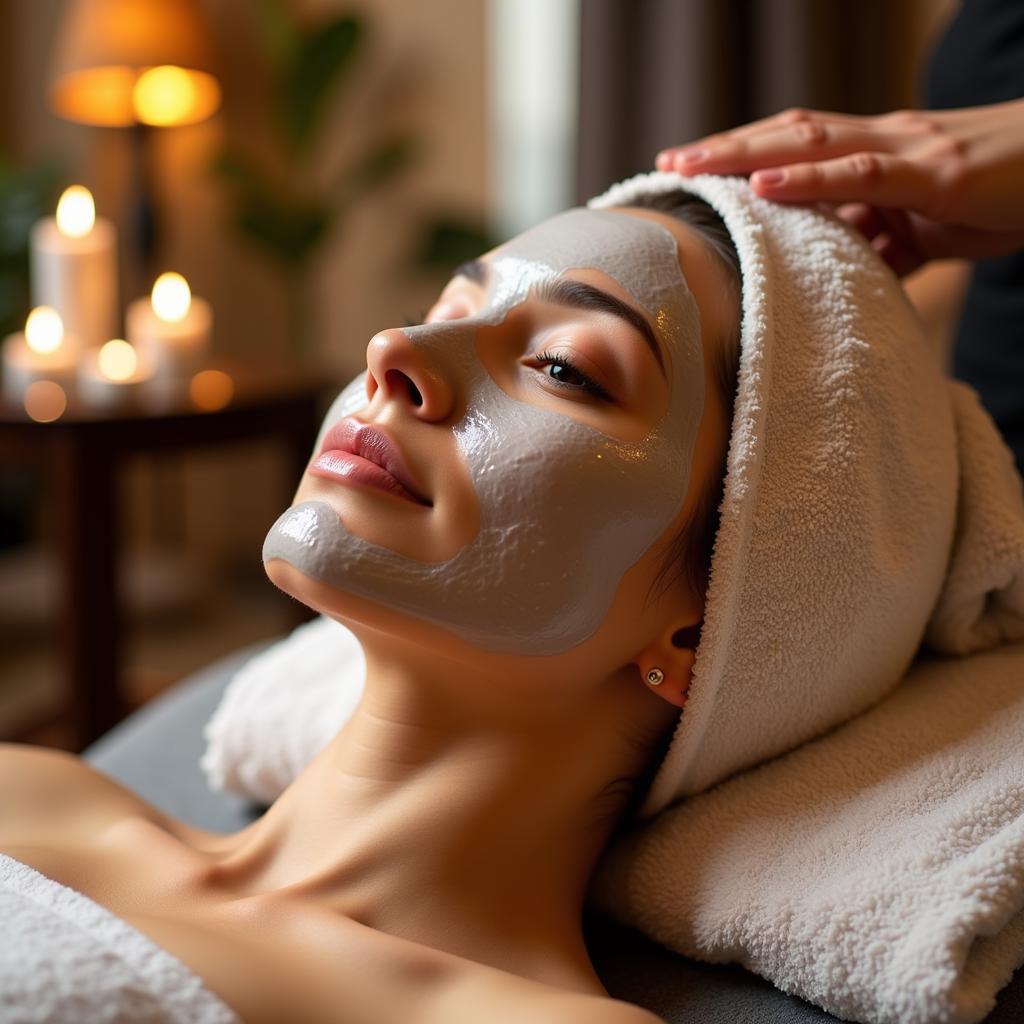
(980, 60)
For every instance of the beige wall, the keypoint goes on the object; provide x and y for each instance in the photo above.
(429, 77)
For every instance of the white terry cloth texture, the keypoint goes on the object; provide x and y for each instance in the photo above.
(869, 505)
(66, 960)
(877, 872)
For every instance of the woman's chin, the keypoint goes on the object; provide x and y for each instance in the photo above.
(361, 614)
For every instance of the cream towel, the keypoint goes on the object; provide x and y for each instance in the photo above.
(66, 960)
(869, 505)
(877, 872)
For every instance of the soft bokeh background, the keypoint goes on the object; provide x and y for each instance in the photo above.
(514, 110)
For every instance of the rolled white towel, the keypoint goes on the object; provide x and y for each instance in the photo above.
(877, 872)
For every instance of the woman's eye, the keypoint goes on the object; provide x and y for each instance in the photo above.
(564, 373)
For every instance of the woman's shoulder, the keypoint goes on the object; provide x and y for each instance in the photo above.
(41, 787)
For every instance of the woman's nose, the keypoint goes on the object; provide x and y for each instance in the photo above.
(407, 373)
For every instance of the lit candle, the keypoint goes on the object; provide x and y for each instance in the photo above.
(113, 373)
(171, 327)
(74, 267)
(41, 352)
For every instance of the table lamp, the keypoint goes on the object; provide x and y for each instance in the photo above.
(134, 63)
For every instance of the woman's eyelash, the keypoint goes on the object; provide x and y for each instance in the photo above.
(409, 322)
(585, 382)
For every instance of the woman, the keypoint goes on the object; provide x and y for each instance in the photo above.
(521, 493)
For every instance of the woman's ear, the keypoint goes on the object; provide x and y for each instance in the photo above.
(666, 665)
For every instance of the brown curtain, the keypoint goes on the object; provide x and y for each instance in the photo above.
(658, 72)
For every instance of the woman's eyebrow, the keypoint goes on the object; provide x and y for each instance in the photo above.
(564, 291)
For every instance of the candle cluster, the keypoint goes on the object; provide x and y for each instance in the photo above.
(71, 338)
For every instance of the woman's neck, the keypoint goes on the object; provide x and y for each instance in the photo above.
(465, 814)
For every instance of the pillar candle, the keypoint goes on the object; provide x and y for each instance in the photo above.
(171, 327)
(74, 267)
(113, 374)
(42, 352)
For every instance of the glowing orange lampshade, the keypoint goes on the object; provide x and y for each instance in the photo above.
(123, 62)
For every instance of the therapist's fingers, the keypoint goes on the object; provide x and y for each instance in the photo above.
(898, 243)
(903, 259)
(906, 240)
(791, 125)
(796, 115)
(866, 219)
(892, 234)
(879, 179)
(803, 142)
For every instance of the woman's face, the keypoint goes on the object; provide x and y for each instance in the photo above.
(534, 440)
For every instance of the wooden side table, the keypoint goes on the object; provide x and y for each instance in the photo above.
(82, 452)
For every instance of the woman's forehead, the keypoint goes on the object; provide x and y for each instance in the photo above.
(641, 255)
(712, 286)
(653, 256)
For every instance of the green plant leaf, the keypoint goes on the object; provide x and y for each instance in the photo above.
(26, 194)
(385, 160)
(278, 31)
(288, 233)
(323, 53)
(243, 173)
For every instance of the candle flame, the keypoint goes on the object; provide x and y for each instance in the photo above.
(76, 212)
(117, 360)
(171, 298)
(44, 330)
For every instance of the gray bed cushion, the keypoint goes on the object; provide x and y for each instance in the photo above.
(156, 751)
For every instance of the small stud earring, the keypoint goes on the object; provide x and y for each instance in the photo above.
(655, 676)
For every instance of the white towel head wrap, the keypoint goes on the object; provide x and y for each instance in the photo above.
(840, 492)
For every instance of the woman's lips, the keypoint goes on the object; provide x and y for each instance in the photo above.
(355, 452)
(349, 468)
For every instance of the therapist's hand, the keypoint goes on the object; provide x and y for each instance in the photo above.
(920, 184)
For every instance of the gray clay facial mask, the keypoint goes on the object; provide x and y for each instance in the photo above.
(565, 509)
